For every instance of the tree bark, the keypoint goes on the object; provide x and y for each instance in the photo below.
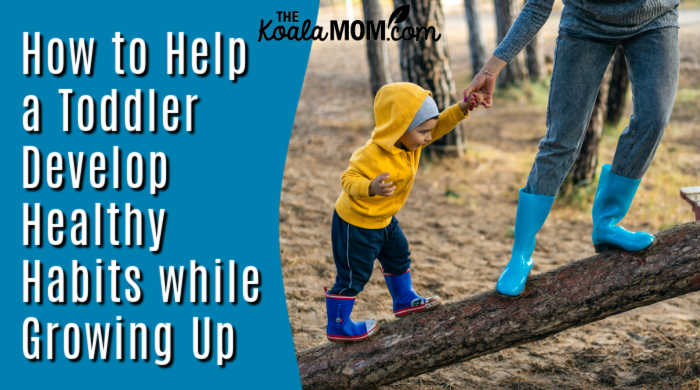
(476, 42)
(514, 72)
(377, 54)
(425, 62)
(584, 169)
(619, 83)
(567, 297)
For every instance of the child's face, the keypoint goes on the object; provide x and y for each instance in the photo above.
(418, 136)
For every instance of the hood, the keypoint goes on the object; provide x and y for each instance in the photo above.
(394, 108)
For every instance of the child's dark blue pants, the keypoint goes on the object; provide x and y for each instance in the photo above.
(354, 251)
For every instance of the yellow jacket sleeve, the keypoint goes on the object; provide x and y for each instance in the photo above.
(355, 184)
(353, 181)
(447, 121)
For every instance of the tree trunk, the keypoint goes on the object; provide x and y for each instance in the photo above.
(567, 297)
(476, 43)
(532, 60)
(619, 83)
(377, 54)
(514, 72)
(584, 169)
(425, 62)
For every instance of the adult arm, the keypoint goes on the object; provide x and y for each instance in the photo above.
(526, 25)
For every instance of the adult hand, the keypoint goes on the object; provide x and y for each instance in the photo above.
(484, 82)
(470, 103)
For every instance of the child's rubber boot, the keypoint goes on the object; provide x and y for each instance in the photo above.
(340, 327)
(612, 201)
(532, 212)
(406, 300)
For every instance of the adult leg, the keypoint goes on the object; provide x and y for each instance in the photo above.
(653, 61)
(396, 261)
(579, 65)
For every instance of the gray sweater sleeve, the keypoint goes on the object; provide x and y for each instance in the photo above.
(527, 24)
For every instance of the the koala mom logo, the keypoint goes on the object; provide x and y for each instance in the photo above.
(289, 27)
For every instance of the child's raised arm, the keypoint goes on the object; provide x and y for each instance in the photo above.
(451, 116)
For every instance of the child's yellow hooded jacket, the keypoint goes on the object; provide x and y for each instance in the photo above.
(394, 108)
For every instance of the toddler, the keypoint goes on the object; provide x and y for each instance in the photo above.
(374, 188)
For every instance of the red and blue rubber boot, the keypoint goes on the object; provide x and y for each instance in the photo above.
(340, 327)
(406, 300)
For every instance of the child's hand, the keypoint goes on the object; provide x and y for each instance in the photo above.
(379, 187)
(470, 104)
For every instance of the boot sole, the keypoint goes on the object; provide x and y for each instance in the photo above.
(350, 339)
(432, 303)
(600, 248)
(606, 247)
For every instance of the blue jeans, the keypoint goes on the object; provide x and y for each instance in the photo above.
(354, 251)
(579, 64)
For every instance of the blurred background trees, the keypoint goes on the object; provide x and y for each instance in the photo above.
(476, 42)
(426, 62)
(506, 11)
(377, 53)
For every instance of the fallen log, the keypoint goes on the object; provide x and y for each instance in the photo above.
(570, 296)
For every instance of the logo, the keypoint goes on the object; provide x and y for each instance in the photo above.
(289, 27)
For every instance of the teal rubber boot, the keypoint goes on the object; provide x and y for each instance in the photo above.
(612, 201)
(532, 212)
